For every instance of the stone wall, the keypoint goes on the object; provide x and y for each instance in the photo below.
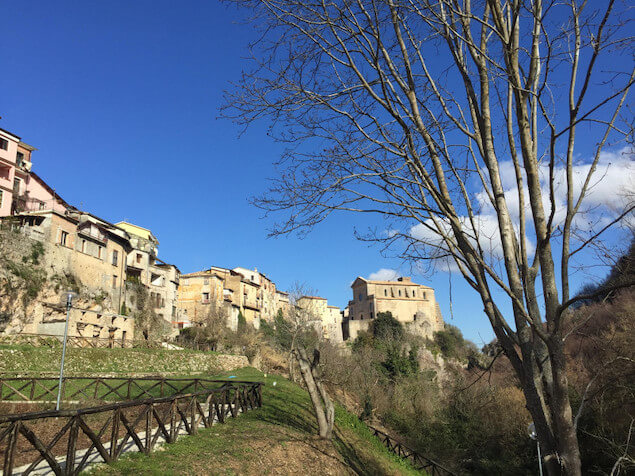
(45, 361)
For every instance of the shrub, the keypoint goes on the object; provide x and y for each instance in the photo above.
(386, 328)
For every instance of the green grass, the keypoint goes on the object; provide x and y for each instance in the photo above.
(280, 437)
(21, 359)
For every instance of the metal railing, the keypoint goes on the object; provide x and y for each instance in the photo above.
(419, 461)
(66, 441)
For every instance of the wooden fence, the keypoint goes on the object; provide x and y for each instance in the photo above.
(419, 461)
(15, 389)
(65, 442)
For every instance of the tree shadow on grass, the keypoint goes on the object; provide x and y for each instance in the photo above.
(286, 416)
(358, 462)
(290, 414)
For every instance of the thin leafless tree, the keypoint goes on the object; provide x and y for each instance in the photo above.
(302, 322)
(478, 128)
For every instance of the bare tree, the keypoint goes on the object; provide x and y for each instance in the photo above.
(302, 322)
(457, 120)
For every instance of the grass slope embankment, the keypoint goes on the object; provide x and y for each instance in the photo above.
(24, 359)
(279, 438)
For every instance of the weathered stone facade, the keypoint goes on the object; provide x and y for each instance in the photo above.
(79, 252)
(412, 304)
(238, 290)
(328, 319)
(143, 267)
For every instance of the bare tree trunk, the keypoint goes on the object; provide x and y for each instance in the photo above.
(322, 404)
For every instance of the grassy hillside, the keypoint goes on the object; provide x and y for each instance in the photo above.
(279, 438)
(33, 360)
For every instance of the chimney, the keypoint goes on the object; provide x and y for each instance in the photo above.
(405, 279)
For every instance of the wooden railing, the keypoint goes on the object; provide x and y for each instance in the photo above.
(419, 461)
(65, 442)
(16, 389)
(50, 340)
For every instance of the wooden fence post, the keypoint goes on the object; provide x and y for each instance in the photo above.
(114, 434)
(10, 451)
(71, 447)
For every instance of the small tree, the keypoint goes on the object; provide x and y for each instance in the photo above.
(213, 327)
(300, 324)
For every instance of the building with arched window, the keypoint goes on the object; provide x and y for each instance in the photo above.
(410, 303)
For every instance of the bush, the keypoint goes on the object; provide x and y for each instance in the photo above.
(242, 322)
(453, 345)
(387, 328)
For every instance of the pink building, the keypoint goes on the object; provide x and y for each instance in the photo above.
(20, 189)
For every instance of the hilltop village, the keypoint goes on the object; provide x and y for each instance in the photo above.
(125, 291)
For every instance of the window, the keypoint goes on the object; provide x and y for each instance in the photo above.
(399, 293)
(4, 144)
(139, 257)
(205, 298)
(16, 186)
(114, 281)
(360, 296)
(63, 238)
(83, 246)
(1, 192)
(385, 292)
(115, 257)
(205, 280)
(424, 295)
(19, 159)
(414, 293)
(100, 252)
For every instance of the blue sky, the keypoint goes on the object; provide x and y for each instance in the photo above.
(121, 100)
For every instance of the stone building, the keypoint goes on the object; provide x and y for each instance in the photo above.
(410, 303)
(238, 290)
(212, 290)
(327, 320)
(143, 267)
(197, 291)
(265, 294)
(85, 252)
(282, 302)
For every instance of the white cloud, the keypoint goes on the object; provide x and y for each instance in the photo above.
(384, 274)
(611, 190)
(485, 231)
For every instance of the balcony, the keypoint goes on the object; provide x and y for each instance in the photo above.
(94, 234)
